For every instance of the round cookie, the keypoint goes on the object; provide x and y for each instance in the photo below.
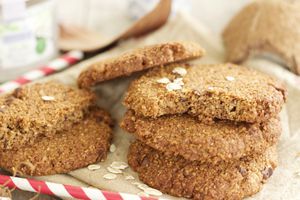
(216, 91)
(265, 26)
(210, 143)
(85, 143)
(138, 60)
(179, 177)
(40, 109)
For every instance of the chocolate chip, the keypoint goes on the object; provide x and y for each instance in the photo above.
(267, 172)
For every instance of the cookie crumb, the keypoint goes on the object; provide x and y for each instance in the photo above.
(164, 80)
(112, 148)
(179, 70)
(110, 176)
(119, 165)
(114, 171)
(173, 86)
(93, 167)
(48, 98)
(230, 78)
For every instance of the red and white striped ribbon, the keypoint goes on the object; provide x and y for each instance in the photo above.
(56, 65)
(66, 191)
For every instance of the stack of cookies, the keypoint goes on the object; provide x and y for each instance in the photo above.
(49, 128)
(204, 131)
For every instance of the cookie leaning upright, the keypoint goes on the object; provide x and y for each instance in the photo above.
(138, 60)
(265, 26)
(219, 91)
(41, 109)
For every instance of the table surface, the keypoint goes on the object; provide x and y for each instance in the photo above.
(95, 14)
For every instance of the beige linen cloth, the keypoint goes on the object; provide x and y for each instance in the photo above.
(284, 184)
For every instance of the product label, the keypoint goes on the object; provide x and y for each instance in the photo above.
(26, 34)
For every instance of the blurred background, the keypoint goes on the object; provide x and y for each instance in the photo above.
(31, 30)
(96, 14)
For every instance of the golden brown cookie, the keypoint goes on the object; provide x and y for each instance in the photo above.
(210, 143)
(182, 178)
(40, 109)
(85, 143)
(138, 60)
(217, 91)
(265, 26)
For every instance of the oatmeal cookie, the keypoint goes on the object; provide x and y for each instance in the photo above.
(216, 91)
(86, 142)
(265, 26)
(40, 109)
(220, 141)
(190, 179)
(138, 60)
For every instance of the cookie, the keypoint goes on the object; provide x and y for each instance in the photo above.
(138, 60)
(86, 142)
(40, 109)
(217, 91)
(211, 143)
(265, 26)
(179, 177)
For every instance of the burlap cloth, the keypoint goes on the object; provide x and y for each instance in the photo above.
(284, 184)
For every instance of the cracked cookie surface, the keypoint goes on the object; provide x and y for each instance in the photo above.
(85, 143)
(138, 60)
(216, 91)
(40, 109)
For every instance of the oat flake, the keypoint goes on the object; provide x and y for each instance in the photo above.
(135, 183)
(119, 165)
(112, 148)
(48, 98)
(142, 186)
(93, 167)
(143, 194)
(110, 176)
(179, 81)
(152, 191)
(230, 78)
(179, 70)
(163, 80)
(173, 86)
(114, 171)
(129, 177)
